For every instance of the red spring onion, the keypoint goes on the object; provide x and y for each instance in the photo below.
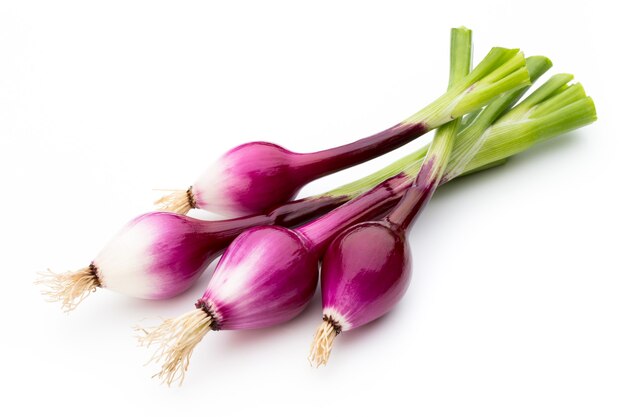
(238, 183)
(366, 269)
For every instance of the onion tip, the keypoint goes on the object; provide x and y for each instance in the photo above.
(323, 342)
(69, 288)
(176, 339)
(179, 201)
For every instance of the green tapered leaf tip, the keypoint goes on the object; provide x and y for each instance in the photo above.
(592, 109)
(564, 76)
(462, 29)
(537, 65)
(539, 60)
(555, 86)
(491, 67)
(579, 87)
(563, 97)
(569, 117)
(460, 55)
(501, 49)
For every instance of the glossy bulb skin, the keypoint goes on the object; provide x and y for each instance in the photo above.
(157, 255)
(267, 276)
(249, 179)
(365, 272)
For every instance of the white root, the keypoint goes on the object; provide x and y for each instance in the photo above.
(178, 201)
(176, 339)
(322, 344)
(69, 288)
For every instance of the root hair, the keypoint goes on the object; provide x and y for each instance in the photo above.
(176, 339)
(179, 201)
(69, 288)
(323, 342)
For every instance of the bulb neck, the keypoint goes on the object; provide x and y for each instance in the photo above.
(365, 207)
(317, 164)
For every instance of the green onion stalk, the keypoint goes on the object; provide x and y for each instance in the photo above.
(496, 133)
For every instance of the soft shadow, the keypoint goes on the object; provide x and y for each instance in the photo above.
(120, 308)
(361, 335)
(546, 150)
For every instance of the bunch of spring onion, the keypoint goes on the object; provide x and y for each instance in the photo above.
(269, 273)
(270, 270)
(159, 255)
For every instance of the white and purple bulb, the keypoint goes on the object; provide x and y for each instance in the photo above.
(154, 256)
(249, 179)
(365, 272)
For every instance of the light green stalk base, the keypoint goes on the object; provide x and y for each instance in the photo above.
(502, 70)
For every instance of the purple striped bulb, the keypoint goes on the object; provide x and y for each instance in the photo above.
(365, 272)
(266, 277)
(249, 179)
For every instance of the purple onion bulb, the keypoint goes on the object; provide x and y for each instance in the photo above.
(365, 272)
(249, 179)
(155, 256)
(267, 276)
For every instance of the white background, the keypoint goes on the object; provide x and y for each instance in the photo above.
(518, 301)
